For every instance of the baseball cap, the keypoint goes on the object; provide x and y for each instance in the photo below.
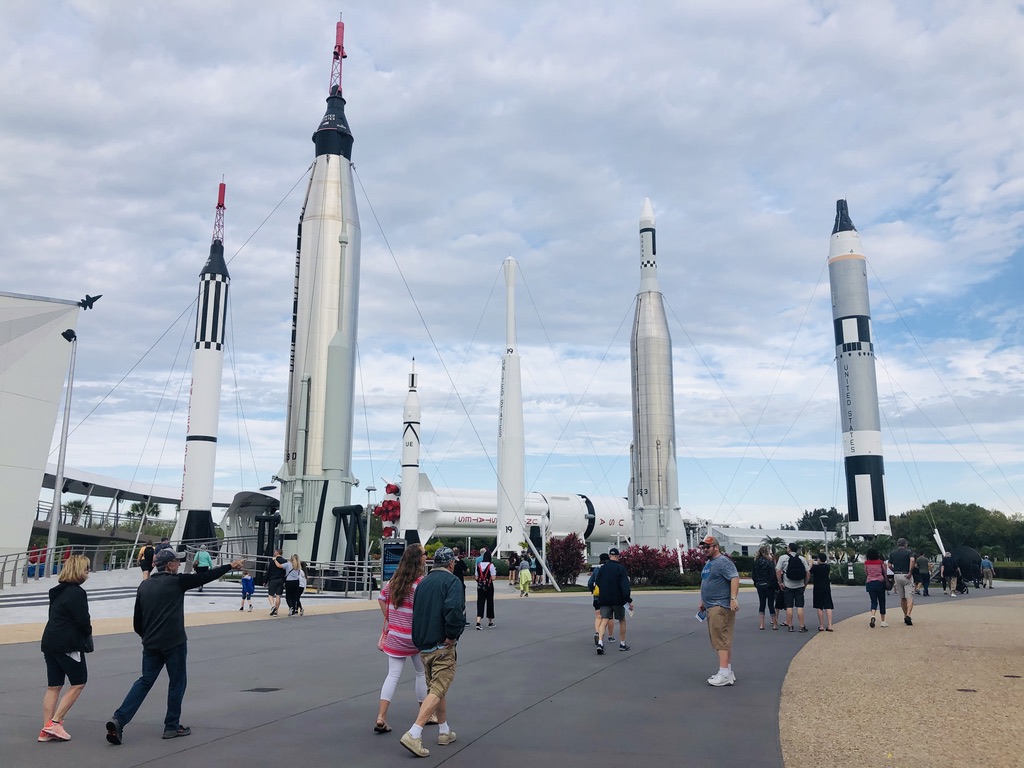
(164, 556)
(709, 541)
(613, 551)
(443, 556)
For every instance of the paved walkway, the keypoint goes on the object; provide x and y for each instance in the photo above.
(286, 690)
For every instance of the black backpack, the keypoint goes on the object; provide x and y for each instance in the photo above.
(795, 569)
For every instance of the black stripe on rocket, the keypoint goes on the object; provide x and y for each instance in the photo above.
(872, 467)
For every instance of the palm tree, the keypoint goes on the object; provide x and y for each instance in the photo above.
(774, 542)
(77, 508)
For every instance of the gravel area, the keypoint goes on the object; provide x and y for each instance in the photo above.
(852, 697)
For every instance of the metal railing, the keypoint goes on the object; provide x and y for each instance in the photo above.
(333, 576)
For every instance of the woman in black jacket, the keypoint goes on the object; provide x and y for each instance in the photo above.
(765, 581)
(66, 639)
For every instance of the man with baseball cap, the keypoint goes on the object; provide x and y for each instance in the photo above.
(719, 596)
(612, 588)
(160, 622)
(438, 619)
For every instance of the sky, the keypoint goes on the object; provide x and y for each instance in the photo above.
(535, 130)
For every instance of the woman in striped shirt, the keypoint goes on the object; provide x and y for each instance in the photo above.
(395, 601)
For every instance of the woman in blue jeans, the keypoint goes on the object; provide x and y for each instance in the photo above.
(874, 570)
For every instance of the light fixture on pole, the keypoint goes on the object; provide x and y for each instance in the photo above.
(58, 481)
(824, 527)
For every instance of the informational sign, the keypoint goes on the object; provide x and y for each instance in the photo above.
(391, 555)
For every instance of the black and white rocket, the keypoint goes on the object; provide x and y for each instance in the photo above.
(653, 486)
(317, 473)
(858, 389)
(409, 522)
(196, 519)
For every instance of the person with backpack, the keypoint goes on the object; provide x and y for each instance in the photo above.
(793, 572)
(485, 575)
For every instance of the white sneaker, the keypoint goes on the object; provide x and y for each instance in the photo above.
(884, 624)
(718, 679)
(733, 676)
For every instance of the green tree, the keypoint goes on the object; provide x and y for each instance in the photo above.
(140, 508)
(811, 521)
(776, 543)
(78, 508)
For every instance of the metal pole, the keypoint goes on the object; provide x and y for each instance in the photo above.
(58, 480)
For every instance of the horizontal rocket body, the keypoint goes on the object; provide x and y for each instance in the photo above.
(858, 388)
(654, 494)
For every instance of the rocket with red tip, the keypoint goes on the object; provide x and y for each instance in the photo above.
(196, 519)
(317, 475)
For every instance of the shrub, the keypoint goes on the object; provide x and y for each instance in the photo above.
(566, 558)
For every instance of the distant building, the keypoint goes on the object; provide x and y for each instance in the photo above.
(746, 541)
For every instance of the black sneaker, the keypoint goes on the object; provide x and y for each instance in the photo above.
(623, 647)
(803, 629)
(600, 650)
(114, 731)
(181, 730)
(908, 621)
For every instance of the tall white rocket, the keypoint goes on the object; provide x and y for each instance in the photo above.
(196, 519)
(653, 486)
(409, 522)
(511, 443)
(858, 388)
(317, 473)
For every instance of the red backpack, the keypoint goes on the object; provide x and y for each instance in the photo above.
(483, 576)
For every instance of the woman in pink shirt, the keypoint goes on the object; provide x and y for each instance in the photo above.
(874, 569)
(395, 601)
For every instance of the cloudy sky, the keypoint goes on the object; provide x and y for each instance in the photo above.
(534, 130)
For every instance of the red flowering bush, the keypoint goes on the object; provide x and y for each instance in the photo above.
(660, 567)
(566, 558)
(389, 509)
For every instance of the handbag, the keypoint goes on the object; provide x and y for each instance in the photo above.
(384, 632)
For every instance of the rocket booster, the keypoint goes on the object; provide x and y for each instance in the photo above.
(316, 474)
(409, 522)
(204, 403)
(858, 389)
(511, 442)
(653, 487)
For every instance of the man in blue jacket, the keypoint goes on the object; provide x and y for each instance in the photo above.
(160, 622)
(438, 619)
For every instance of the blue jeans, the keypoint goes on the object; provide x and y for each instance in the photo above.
(152, 663)
(876, 591)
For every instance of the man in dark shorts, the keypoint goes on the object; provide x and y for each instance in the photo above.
(793, 583)
(438, 620)
(276, 571)
(612, 584)
(146, 559)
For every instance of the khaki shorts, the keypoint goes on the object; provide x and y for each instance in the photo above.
(904, 586)
(439, 667)
(720, 623)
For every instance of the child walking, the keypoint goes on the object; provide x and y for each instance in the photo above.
(248, 588)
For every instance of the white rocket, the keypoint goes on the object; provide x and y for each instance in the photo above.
(511, 445)
(653, 486)
(858, 388)
(409, 522)
(317, 476)
(196, 520)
